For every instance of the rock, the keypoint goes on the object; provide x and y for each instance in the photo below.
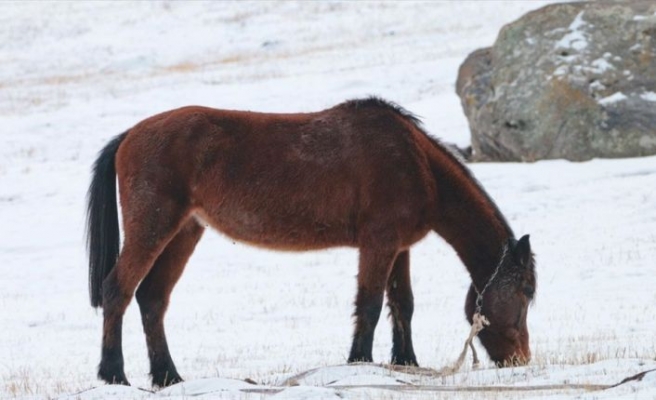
(573, 81)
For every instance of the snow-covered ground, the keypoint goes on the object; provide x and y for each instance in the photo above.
(74, 74)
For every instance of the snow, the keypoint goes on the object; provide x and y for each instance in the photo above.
(613, 98)
(76, 74)
(648, 96)
(575, 37)
(600, 65)
(574, 65)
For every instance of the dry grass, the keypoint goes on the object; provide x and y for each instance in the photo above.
(23, 381)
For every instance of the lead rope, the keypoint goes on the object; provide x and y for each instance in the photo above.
(479, 322)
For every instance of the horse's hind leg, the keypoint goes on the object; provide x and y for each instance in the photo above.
(153, 298)
(401, 304)
(147, 231)
(373, 271)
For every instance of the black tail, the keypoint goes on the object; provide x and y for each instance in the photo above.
(102, 220)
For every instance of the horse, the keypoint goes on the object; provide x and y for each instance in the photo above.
(362, 174)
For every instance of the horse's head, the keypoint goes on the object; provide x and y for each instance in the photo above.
(505, 304)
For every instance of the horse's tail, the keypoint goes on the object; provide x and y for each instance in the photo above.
(103, 239)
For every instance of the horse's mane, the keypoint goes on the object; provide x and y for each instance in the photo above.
(456, 159)
(377, 102)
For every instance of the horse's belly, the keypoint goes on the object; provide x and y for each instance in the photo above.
(283, 233)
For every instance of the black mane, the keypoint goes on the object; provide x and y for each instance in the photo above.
(377, 102)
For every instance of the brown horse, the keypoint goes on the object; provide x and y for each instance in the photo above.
(362, 174)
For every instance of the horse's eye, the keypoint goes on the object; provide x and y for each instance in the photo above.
(529, 291)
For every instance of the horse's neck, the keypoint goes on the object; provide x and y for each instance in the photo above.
(467, 218)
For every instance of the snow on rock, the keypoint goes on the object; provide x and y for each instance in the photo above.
(648, 96)
(600, 65)
(558, 95)
(575, 37)
(613, 98)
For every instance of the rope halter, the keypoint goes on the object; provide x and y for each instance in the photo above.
(480, 293)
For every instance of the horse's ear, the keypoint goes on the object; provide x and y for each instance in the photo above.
(522, 251)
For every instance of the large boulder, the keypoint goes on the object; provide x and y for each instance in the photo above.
(573, 81)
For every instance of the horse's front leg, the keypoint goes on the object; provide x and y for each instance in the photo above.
(374, 268)
(401, 304)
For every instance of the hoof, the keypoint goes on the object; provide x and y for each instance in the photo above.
(166, 379)
(352, 360)
(410, 362)
(113, 378)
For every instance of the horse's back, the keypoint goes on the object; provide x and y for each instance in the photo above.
(292, 181)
